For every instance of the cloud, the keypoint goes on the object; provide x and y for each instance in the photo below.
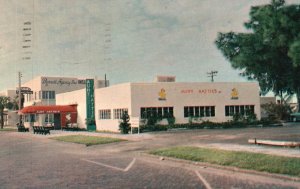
(120, 37)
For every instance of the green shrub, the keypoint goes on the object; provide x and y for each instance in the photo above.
(170, 119)
(277, 111)
(156, 127)
(124, 126)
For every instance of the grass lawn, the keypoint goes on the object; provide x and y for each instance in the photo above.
(87, 140)
(9, 129)
(245, 160)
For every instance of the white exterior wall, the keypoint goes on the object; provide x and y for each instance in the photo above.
(114, 97)
(179, 95)
(136, 95)
(57, 84)
(75, 97)
(35, 86)
(11, 93)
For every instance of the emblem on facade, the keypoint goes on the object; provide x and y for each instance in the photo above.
(234, 94)
(162, 94)
(68, 117)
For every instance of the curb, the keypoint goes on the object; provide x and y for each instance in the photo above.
(228, 168)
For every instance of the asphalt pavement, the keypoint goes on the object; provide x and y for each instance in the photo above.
(37, 161)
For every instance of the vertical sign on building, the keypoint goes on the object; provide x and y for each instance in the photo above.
(90, 105)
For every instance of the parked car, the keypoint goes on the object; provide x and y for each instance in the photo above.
(295, 116)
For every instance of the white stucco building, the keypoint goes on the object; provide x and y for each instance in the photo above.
(10, 116)
(45, 90)
(75, 97)
(11, 93)
(215, 102)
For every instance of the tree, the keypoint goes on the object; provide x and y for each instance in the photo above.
(269, 52)
(124, 126)
(3, 104)
(14, 103)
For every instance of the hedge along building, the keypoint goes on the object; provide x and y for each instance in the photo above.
(40, 107)
(216, 102)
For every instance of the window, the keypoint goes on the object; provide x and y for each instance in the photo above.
(212, 111)
(30, 118)
(186, 112)
(49, 118)
(240, 109)
(118, 113)
(48, 94)
(105, 114)
(199, 111)
(231, 110)
(162, 112)
(191, 111)
(226, 110)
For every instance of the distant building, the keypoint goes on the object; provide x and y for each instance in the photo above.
(264, 101)
(11, 93)
(161, 78)
(10, 116)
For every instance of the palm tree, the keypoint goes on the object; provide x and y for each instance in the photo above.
(4, 100)
(14, 103)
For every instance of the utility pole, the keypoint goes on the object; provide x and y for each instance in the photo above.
(212, 74)
(20, 95)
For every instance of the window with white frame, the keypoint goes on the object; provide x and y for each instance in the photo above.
(48, 94)
(199, 111)
(162, 112)
(105, 114)
(49, 118)
(118, 113)
(239, 109)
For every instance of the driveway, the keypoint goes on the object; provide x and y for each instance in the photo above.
(36, 161)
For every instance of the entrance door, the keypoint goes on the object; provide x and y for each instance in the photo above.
(57, 124)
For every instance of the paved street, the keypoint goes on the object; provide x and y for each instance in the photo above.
(36, 161)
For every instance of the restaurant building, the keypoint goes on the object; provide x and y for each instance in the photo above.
(40, 107)
(74, 100)
(216, 102)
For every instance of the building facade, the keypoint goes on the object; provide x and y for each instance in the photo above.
(44, 92)
(212, 101)
(216, 102)
(10, 116)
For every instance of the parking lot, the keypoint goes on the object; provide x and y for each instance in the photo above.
(37, 161)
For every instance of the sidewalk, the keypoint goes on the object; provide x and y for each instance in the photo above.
(279, 151)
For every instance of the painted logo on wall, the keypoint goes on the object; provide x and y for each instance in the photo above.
(234, 94)
(162, 94)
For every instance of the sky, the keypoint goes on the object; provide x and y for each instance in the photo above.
(128, 40)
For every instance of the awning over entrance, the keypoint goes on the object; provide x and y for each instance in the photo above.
(52, 109)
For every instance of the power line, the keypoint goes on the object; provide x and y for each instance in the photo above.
(212, 74)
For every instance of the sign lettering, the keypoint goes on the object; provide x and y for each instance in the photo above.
(200, 91)
(62, 82)
(90, 104)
